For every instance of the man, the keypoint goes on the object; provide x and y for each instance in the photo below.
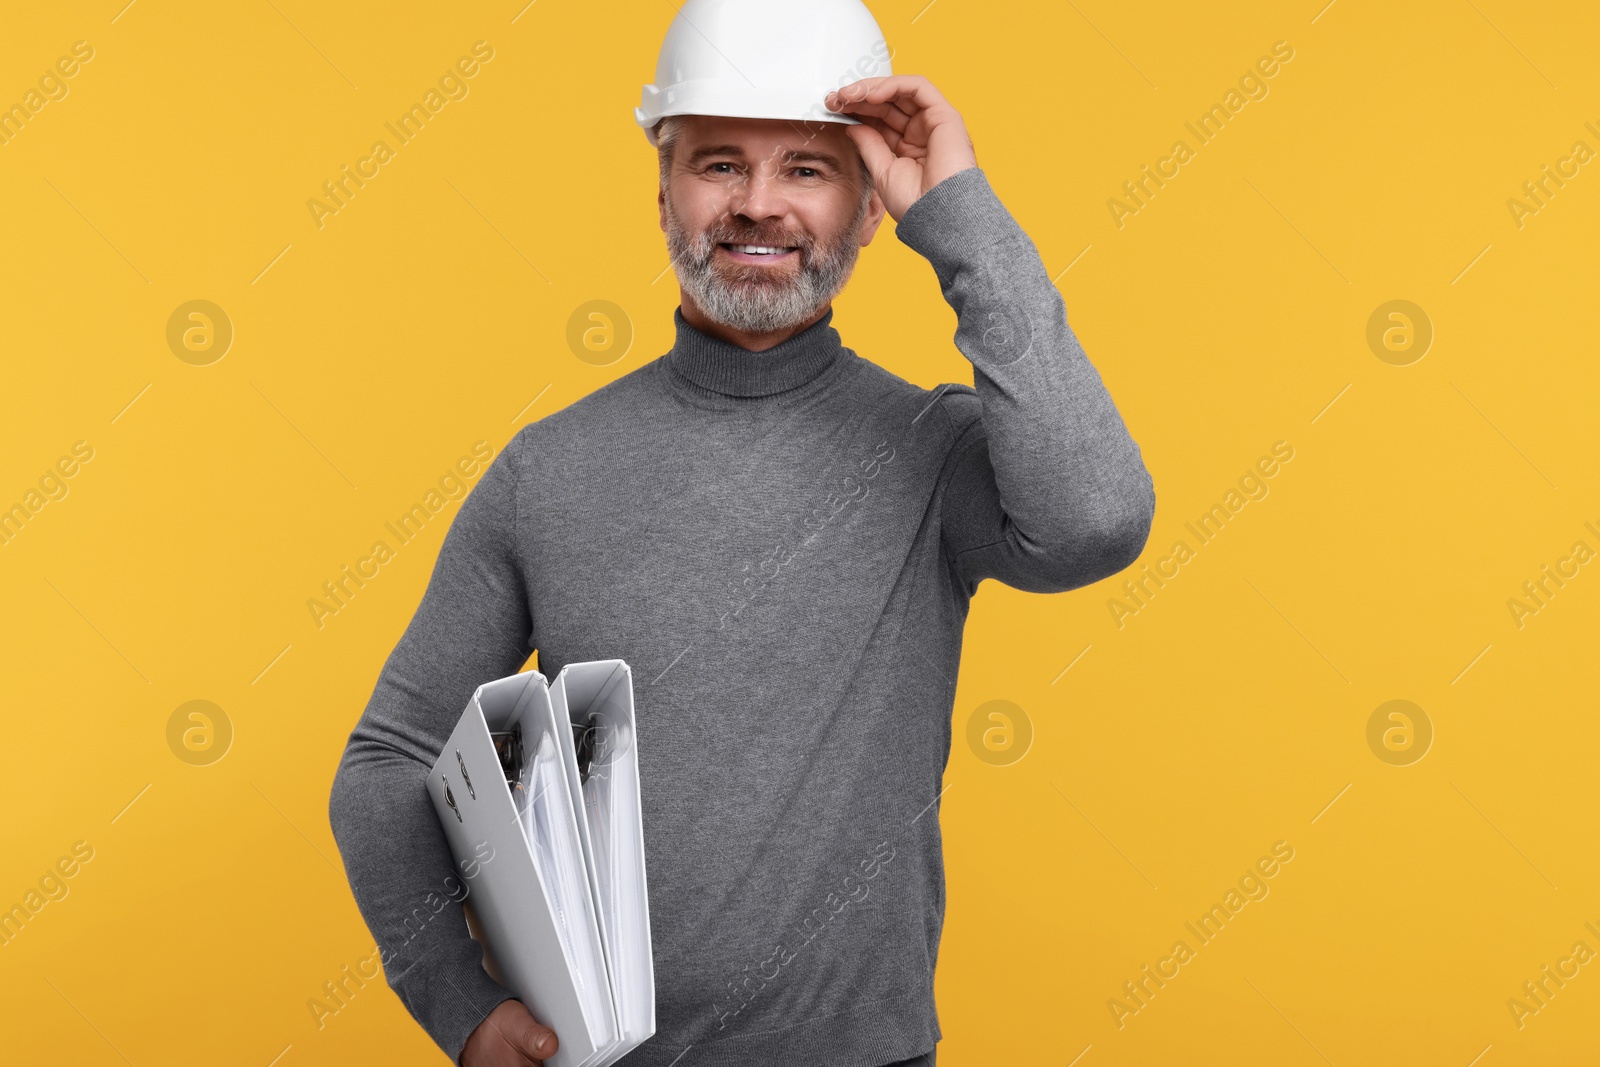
(782, 539)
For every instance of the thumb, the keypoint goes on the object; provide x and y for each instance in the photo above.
(525, 1033)
(534, 1039)
(875, 152)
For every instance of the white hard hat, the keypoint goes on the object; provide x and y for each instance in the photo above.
(762, 59)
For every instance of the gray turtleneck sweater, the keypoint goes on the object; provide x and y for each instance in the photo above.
(783, 545)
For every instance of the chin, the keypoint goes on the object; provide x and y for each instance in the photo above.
(752, 320)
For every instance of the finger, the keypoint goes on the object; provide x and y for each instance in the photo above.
(524, 1034)
(837, 101)
(875, 151)
(950, 141)
(903, 105)
(911, 92)
(892, 116)
(858, 93)
(534, 1039)
(539, 1042)
(892, 137)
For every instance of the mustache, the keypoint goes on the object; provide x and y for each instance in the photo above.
(769, 238)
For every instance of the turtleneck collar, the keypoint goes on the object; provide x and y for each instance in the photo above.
(724, 367)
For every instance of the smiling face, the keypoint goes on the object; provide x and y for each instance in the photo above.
(764, 217)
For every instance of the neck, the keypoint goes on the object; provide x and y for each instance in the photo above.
(721, 365)
(752, 342)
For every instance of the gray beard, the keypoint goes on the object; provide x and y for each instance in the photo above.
(750, 301)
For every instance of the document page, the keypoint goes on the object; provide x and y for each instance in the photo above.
(611, 804)
(548, 816)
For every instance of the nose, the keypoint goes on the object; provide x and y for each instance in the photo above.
(760, 196)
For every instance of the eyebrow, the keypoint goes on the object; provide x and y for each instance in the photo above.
(799, 155)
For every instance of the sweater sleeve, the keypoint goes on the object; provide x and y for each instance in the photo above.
(473, 625)
(1044, 489)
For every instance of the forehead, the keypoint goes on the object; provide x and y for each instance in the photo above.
(708, 135)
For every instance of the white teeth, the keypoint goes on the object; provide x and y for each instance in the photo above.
(758, 250)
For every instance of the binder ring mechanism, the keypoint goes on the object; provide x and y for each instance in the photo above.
(589, 739)
(508, 746)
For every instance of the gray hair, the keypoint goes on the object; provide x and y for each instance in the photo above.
(669, 128)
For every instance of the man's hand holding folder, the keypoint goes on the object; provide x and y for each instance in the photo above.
(509, 1037)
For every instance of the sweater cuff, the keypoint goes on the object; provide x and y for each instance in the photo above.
(449, 993)
(956, 218)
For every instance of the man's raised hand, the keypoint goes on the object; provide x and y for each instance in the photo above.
(910, 137)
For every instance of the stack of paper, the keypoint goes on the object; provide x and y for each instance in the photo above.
(538, 793)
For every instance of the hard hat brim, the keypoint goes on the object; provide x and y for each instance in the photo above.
(714, 100)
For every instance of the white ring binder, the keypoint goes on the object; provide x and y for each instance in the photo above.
(566, 751)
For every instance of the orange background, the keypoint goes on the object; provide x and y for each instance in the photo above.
(1168, 754)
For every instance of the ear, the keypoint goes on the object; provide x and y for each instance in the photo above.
(875, 213)
(661, 207)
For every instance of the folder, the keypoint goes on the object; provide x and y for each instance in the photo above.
(538, 793)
